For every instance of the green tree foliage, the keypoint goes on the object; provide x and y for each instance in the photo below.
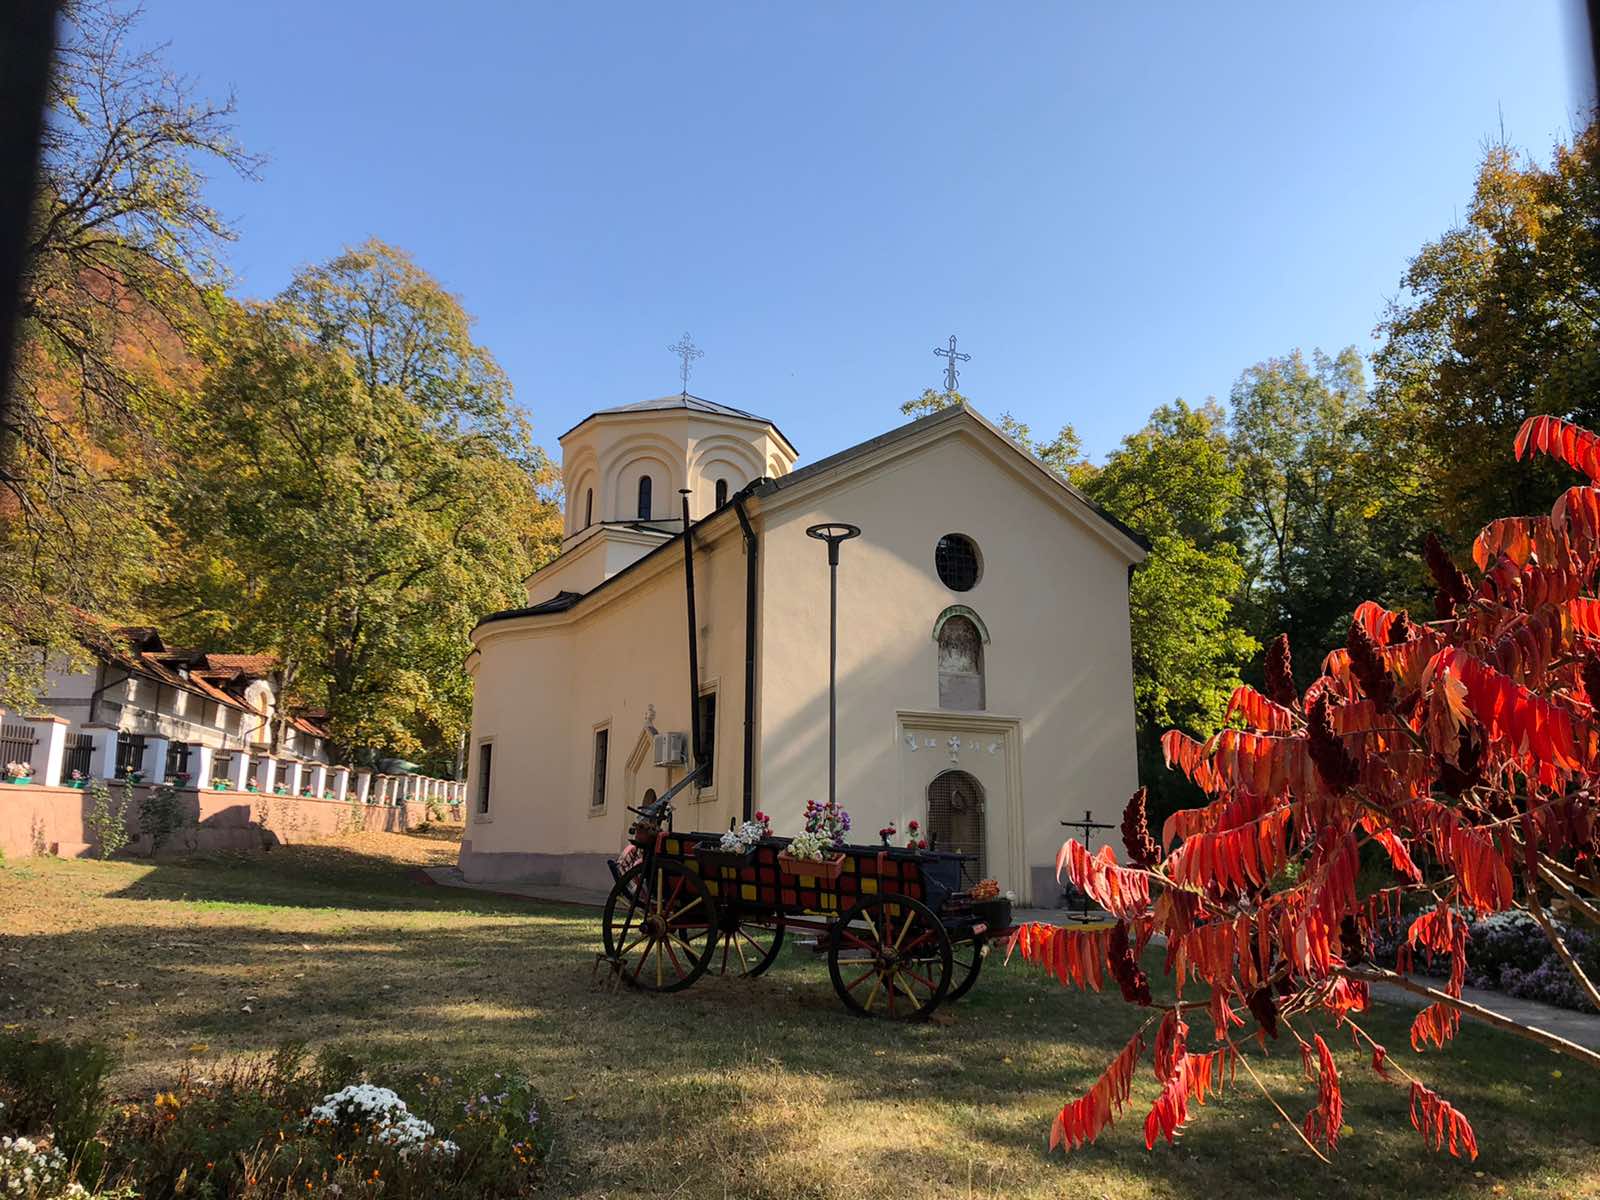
(119, 256)
(1499, 320)
(1173, 482)
(362, 491)
(1316, 518)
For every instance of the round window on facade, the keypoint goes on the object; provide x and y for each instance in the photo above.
(956, 560)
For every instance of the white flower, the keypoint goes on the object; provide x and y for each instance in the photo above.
(746, 836)
(393, 1124)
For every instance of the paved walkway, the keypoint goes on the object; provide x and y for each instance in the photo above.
(1582, 1028)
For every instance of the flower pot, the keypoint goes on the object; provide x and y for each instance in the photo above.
(219, 787)
(78, 784)
(252, 789)
(716, 856)
(20, 780)
(813, 868)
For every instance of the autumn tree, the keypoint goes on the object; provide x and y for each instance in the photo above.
(1497, 321)
(119, 259)
(362, 491)
(1460, 756)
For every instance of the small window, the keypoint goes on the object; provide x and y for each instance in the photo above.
(956, 560)
(644, 497)
(177, 759)
(485, 770)
(602, 747)
(130, 753)
(960, 665)
(722, 492)
(708, 738)
(588, 508)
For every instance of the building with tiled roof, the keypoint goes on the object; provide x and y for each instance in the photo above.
(160, 709)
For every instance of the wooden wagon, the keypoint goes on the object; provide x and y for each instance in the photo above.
(899, 935)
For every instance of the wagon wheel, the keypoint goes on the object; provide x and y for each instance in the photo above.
(747, 948)
(660, 927)
(890, 956)
(966, 960)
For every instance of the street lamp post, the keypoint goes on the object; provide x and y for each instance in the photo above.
(833, 534)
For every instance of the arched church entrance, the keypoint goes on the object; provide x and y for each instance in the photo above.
(956, 821)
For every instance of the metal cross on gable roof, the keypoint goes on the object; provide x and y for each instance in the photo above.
(687, 351)
(951, 357)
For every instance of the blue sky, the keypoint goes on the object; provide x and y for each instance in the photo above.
(1110, 205)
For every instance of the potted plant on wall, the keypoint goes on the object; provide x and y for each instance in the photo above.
(78, 780)
(132, 776)
(250, 785)
(815, 852)
(181, 779)
(738, 846)
(220, 783)
(20, 773)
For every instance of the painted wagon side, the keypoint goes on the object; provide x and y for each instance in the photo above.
(899, 936)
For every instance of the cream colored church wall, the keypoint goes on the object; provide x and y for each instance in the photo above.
(1053, 596)
(544, 684)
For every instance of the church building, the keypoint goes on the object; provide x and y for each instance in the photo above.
(984, 669)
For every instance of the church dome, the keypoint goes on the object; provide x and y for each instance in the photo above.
(627, 464)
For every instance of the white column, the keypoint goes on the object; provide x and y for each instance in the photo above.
(291, 777)
(105, 754)
(364, 787)
(50, 745)
(267, 774)
(341, 784)
(241, 769)
(155, 760)
(319, 779)
(201, 761)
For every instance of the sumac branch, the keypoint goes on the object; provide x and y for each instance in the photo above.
(1464, 750)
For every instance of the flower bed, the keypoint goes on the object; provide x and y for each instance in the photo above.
(278, 1125)
(1507, 952)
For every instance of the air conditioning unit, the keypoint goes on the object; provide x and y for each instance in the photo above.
(672, 749)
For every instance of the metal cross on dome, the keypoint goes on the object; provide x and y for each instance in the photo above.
(688, 352)
(951, 357)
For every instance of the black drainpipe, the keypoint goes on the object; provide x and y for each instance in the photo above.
(751, 549)
(694, 636)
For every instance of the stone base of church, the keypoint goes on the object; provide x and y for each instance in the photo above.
(547, 870)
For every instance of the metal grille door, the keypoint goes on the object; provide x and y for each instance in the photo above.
(956, 820)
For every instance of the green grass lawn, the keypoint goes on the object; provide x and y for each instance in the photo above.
(734, 1087)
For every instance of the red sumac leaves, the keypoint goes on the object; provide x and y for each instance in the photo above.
(1440, 1124)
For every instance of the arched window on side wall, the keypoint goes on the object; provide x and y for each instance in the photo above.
(644, 497)
(722, 492)
(588, 508)
(960, 663)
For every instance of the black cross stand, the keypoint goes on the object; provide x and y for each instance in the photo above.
(1088, 825)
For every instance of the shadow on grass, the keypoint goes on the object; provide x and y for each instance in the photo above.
(310, 875)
